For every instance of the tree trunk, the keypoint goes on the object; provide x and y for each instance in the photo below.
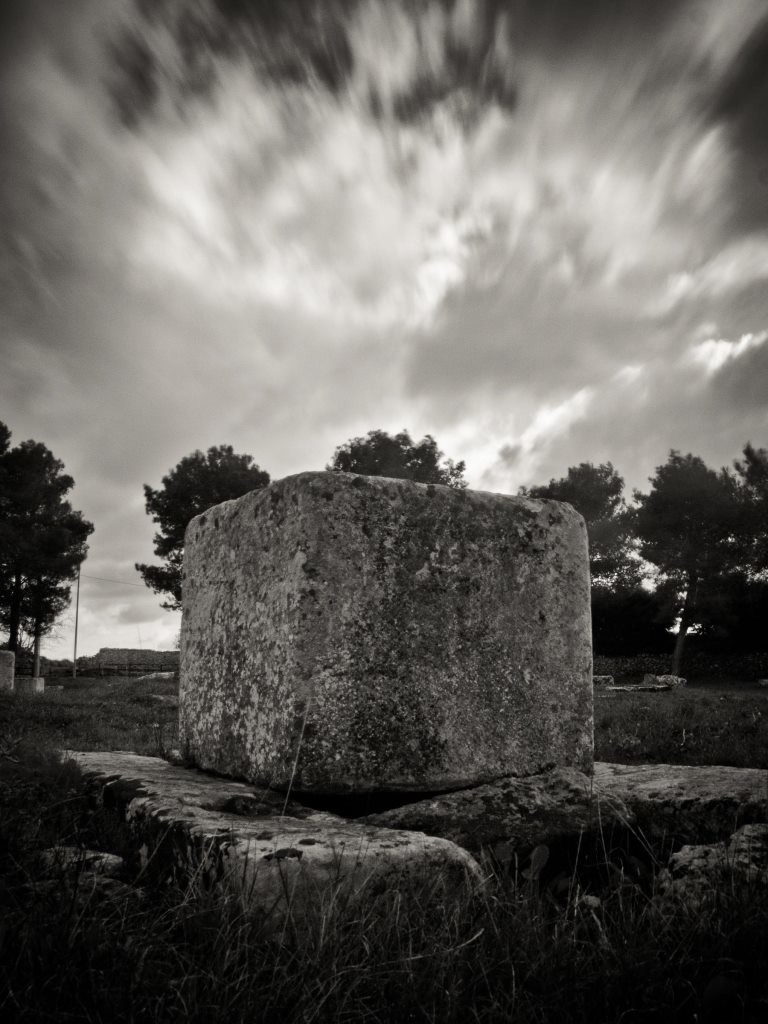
(15, 616)
(36, 660)
(685, 621)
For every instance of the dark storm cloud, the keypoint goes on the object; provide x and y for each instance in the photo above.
(302, 42)
(50, 100)
(294, 41)
(741, 103)
(307, 42)
(741, 382)
(279, 224)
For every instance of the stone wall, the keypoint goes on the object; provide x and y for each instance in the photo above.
(695, 663)
(130, 657)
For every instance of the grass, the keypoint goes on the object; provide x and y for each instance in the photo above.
(708, 723)
(528, 952)
(113, 713)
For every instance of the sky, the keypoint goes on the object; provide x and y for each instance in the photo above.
(536, 229)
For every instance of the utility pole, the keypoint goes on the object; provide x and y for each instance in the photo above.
(77, 612)
(36, 656)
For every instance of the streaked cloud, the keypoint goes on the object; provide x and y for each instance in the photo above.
(714, 353)
(536, 230)
(519, 459)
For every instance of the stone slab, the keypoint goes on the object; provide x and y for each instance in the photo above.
(639, 688)
(687, 803)
(28, 685)
(670, 681)
(602, 680)
(237, 837)
(520, 813)
(7, 667)
(361, 634)
(59, 860)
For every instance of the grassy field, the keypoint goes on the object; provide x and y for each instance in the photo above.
(115, 713)
(507, 952)
(707, 723)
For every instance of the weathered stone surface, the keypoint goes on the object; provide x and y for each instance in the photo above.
(697, 870)
(235, 835)
(671, 682)
(686, 802)
(378, 634)
(602, 680)
(520, 812)
(7, 665)
(748, 851)
(73, 859)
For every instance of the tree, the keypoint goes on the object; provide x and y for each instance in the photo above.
(42, 540)
(197, 482)
(596, 492)
(691, 527)
(732, 616)
(752, 472)
(381, 454)
(631, 620)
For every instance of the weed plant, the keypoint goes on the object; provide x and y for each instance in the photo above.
(600, 945)
(114, 713)
(512, 949)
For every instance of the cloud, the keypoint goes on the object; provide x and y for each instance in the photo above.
(735, 267)
(714, 353)
(739, 102)
(281, 225)
(520, 458)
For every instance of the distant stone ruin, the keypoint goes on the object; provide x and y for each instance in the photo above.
(350, 634)
(129, 659)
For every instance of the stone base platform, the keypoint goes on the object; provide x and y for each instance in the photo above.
(686, 803)
(284, 857)
(279, 856)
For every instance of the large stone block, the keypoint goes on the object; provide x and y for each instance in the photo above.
(360, 633)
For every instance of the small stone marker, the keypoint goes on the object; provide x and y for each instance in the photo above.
(30, 684)
(347, 634)
(7, 664)
(602, 680)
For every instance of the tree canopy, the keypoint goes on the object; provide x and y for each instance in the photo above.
(398, 456)
(597, 493)
(42, 539)
(197, 482)
(752, 472)
(691, 527)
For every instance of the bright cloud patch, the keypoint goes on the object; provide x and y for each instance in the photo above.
(714, 353)
(518, 459)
